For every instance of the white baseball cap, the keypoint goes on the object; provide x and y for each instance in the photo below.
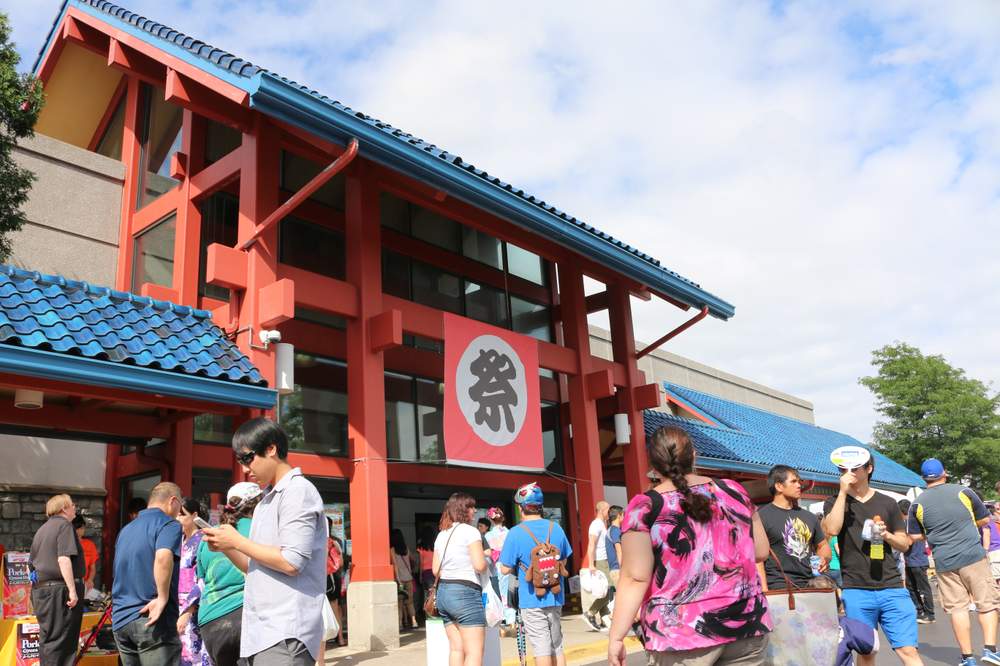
(242, 491)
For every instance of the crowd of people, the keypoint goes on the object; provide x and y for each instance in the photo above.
(687, 567)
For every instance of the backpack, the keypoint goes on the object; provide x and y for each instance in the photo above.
(334, 558)
(546, 565)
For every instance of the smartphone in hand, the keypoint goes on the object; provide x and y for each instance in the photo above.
(202, 524)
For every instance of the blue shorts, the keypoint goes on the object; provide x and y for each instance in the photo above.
(462, 605)
(891, 608)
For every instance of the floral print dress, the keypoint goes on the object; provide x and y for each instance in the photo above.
(705, 589)
(193, 652)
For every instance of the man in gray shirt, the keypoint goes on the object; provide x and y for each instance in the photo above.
(284, 557)
(949, 516)
(57, 560)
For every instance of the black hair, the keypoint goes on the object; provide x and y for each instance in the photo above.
(426, 538)
(614, 512)
(486, 522)
(79, 522)
(671, 453)
(193, 506)
(904, 506)
(779, 474)
(398, 542)
(135, 505)
(258, 434)
(531, 509)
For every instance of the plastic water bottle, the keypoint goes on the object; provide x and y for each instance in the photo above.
(878, 550)
(815, 561)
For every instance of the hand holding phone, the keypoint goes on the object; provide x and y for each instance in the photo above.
(202, 524)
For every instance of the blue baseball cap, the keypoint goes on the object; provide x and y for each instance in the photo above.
(932, 469)
(529, 494)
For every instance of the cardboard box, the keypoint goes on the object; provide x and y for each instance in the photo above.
(16, 585)
(28, 643)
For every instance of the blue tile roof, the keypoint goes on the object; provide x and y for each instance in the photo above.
(752, 439)
(51, 313)
(255, 80)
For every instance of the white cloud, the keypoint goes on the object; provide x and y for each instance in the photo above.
(831, 169)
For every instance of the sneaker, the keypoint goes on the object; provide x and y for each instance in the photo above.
(923, 619)
(971, 661)
(990, 657)
(591, 622)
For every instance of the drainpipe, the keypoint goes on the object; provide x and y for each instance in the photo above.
(318, 181)
(674, 333)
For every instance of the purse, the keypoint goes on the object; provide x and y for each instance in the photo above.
(806, 625)
(430, 600)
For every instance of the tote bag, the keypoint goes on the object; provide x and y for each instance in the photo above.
(806, 626)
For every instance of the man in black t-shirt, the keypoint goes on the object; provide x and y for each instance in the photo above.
(868, 525)
(794, 534)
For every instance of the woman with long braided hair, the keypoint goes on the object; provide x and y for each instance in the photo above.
(689, 552)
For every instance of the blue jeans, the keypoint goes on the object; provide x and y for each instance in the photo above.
(892, 608)
(139, 645)
(460, 604)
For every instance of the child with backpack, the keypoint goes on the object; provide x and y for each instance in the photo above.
(536, 550)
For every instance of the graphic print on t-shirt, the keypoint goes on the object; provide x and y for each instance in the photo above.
(797, 538)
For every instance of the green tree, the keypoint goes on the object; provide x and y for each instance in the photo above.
(20, 102)
(932, 410)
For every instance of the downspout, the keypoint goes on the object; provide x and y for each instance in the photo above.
(674, 333)
(318, 181)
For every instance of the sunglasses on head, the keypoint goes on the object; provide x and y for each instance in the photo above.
(246, 457)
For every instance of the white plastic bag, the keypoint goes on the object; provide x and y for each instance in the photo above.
(491, 602)
(585, 580)
(330, 626)
(598, 584)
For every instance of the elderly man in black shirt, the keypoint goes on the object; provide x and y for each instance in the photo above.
(57, 559)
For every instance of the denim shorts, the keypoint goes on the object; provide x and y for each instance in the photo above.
(892, 608)
(460, 604)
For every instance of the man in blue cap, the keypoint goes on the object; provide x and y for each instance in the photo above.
(541, 607)
(949, 516)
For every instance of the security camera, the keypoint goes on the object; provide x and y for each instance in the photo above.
(267, 337)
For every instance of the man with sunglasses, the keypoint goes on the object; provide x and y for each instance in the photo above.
(144, 593)
(867, 523)
(284, 557)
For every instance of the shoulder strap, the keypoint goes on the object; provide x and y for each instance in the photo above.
(532, 534)
(656, 499)
(548, 537)
(444, 552)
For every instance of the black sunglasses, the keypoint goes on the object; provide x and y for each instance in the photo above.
(246, 457)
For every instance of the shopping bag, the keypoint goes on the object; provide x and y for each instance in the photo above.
(330, 626)
(491, 602)
(806, 627)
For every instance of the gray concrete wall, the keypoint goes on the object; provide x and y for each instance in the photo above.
(74, 212)
(662, 366)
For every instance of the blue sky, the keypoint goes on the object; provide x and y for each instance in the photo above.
(831, 168)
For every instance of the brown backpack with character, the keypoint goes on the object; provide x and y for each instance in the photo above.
(546, 565)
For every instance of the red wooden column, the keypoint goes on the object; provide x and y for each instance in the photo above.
(582, 408)
(372, 596)
(112, 510)
(623, 349)
(181, 454)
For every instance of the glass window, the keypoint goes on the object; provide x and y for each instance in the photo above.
(552, 438)
(312, 247)
(153, 260)
(430, 413)
(482, 247)
(321, 317)
(394, 212)
(526, 265)
(436, 229)
(213, 428)
(400, 419)
(219, 223)
(395, 274)
(297, 171)
(110, 144)
(315, 415)
(434, 287)
(486, 304)
(220, 140)
(532, 319)
(161, 138)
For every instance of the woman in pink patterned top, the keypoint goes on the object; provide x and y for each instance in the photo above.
(689, 553)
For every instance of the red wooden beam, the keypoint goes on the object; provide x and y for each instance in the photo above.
(84, 35)
(276, 303)
(226, 267)
(385, 330)
(61, 418)
(217, 175)
(135, 63)
(674, 333)
(600, 384)
(318, 292)
(109, 113)
(647, 396)
(180, 89)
